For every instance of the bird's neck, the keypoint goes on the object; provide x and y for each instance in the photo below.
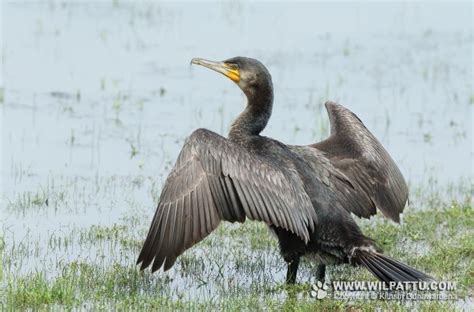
(255, 117)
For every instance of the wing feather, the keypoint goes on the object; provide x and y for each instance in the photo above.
(215, 179)
(353, 151)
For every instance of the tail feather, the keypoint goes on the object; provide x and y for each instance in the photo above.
(412, 271)
(387, 269)
(372, 269)
(392, 271)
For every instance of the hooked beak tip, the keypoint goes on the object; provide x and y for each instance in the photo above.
(196, 61)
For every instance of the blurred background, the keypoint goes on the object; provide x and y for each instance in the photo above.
(101, 88)
(98, 97)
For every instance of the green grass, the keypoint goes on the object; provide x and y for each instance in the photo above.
(232, 269)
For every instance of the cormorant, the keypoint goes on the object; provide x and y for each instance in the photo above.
(305, 194)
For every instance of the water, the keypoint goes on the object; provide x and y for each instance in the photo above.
(99, 96)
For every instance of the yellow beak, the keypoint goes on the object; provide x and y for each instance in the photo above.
(228, 70)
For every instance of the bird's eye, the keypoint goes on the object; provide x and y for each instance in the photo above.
(233, 66)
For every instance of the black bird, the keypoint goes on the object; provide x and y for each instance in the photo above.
(305, 194)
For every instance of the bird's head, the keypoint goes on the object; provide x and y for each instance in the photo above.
(249, 74)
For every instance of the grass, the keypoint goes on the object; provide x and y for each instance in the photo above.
(236, 268)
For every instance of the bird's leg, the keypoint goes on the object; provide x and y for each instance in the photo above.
(292, 270)
(321, 273)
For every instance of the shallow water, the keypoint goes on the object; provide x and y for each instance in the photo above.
(98, 98)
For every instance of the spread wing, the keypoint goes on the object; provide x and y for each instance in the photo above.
(215, 179)
(376, 179)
